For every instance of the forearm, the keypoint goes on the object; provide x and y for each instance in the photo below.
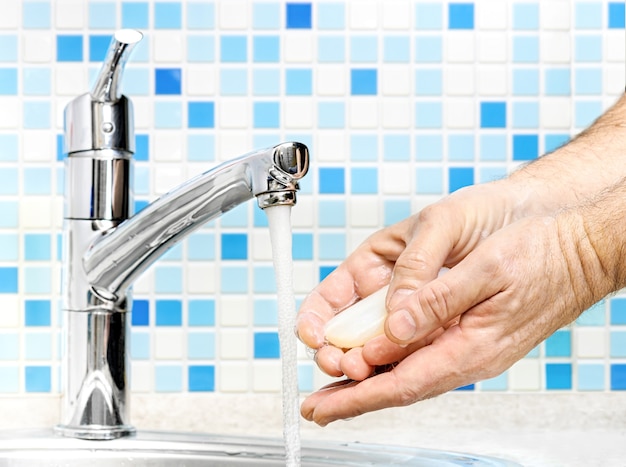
(591, 162)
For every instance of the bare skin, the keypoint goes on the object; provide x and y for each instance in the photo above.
(528, 255)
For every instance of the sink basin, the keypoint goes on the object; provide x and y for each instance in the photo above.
(160, 449)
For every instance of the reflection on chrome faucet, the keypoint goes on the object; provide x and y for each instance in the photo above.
(106, 248)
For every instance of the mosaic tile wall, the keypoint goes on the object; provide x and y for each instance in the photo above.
(400, 102)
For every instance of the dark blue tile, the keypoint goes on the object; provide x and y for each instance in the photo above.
(201, 378)
(8, 280)
(325, 271)
(167, 81)
(469, 387)
(617, 14)
(332, 180)
(298, 15)
(169, 313)
(493, 114)
(618, 311)
(461, 16)
(37, 378)
(363, 82)
(618, 377)
(525, 147)
(201, 114)
(459, 177)
(302, 246)
(559, 344)
(140, 313)
(558, 376)
(69, 48)
(59, 141)
(37, 312)
(98, 46)
(266, 345)
(234, 246)
(142, 147)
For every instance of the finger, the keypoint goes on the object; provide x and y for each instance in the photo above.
(328, 359)
(354, 366)
(382, 351)
(442, 300)
(308, 405)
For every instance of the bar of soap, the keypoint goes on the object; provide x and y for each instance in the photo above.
(363, 321)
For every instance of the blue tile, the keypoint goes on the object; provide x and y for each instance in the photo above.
(525, 115)
(168, 378)
(459, 177)
(298, 15)
(618, 311)
(588, 15)
(499, 383)
(265, 312)
(618, 344)
(525, 82)
(460, 148)
(428, 115)
(558, 376)
(233, 49)
(557, 82)
(266, 115)
(264, 280)
(266, 82)
(37, 346)
(200, 49)
(325, 271)
(396, 148)
(266, 49)
(618, 377)
(363, 148)
(364, 180)
(9, 379)
(331, 15)
(201, 345)
(37, 181)
(266, 16)
(69, 48)
(201, 378)
(167, 81)
(8, 48)
(102, 15)
(559, 344)
(9, 347)
(588, 81)
(305, 378)
(8, 280)
(201, 312)
(200, 147)
(175, 253)
(201, 114)
(140, 346)
(302, 246)
(526, 16)
(234, 246)
(331, 115)
(36, 115)
(299, 82)
(266, 345)
(9, 181)
(135, 15)
(236, 217)
(364, 49)
(429, 148)
(588, 49)
(331, 180)
(332, 213)
(169, 313)
(590, 377)
(594, 315)
(469, 387)
(8, 142)
(140, 315)
(200, 15)
(142, 181)
(525, 49)
(525, 147)
(429, 181)
(167, 15)
(428, 82)
(428, 49)
(168, 115)
(395, 211)
(396, 49)
(260, 218)
(585, 113)
(234, 279)
(37, 280)
(142, 147)
(489, 174)
(8, 81)
(555, 141)
(616, 15)
(9, 244)
(332, 246)
(8, 218)
(428, 16)
(36, 81)
(168, 279)
(37, 378)
(201, 247)
(461, 16)
(37, 247)
(36, 15)
(331, 49)
(493, 114)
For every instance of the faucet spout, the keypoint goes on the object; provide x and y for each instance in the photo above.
(114, 260)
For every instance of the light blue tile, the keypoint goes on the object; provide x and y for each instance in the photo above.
(9, 181)
(525, 16)
(38, 346)
(557, 82)
(9, 379)
(200, 15)
(428, 148)
(168, 280)
(201, 247)
(168, 115)
(234, 279)
(396, 148)
(37, 280)
(167, 15)
(135, 15)
(305, 377)
(200, 147)
(266, 82)
(428, 16)
(234, 82)
(168, 378)
(395, 211)
(586, 112)
(489, 174)
(588, 15)
(332, 246)
(363, 148)
(264, 279)
(266, 15)
(8, 81)
(298, 81)
(36, 115)
(499, 383)
(331, 49)
(525, 82)
(141, 52)
(142, 180)
(525, 49)
(36, 15)
(429, 181)
(236, 217)
(8, 147)
(37, 247)
(525, 114)
(9, 246)
(37, 181)
(618, 344)
(200, 49)
(588, 81)
(265, 312)
(460, 147)
(331, 115)
(8, 48)
(428, 49)
(102, 15)
(9, 346)
(175, 253)
(201, 345)
(594, 315)
(332, 213)
(428, 82)
(396, 49)
(363, 49)
(36, 81)
(8, 214)
(331, 15)
(590, 377)
(428, 115)
(140, 345)
(588, 49)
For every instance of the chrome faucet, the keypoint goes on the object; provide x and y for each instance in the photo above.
(106, 247)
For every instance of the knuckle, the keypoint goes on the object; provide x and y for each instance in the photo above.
(434, 302)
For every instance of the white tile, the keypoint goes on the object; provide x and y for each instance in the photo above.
(9, 19)
(141, 377)
(200, 80)
(234, 113)
(169, 146)
(459, 80)
(267, 376)
(304, 215)
(166, 177)
(491, 14)
(232, 144)
(233, 376)
(143, 109)
(70, 80)
(395, 179)
(492, 80)
(167, 47)
(492, 47)
(364, 113)
(298, 47)
(201, 278)
(233, 344)
(37, 47)
(395, 80)
(555, 47)
(304, 277)
(10, 117)
(11, 315)
(555, 112)
(233, 14)
(364, 211)
(555, 14)
(38, 146)
(69, 14)
(614, 46)
(396, 15)
(363, 14)
(36, 212)
(298, 113)
(144, 283)
(169, 344)
(396, 113)
(331, 146)
(234, 310)
(460, 113)
(460, 47)
(590, 342)
(359, 235)
(615, 79)
(331, 80)
(525, 375)
(261, 245)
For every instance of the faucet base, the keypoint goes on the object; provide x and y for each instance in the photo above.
(95, 432)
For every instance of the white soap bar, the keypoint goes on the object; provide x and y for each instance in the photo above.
(364, 320)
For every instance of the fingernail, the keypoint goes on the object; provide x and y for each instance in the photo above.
(402, 325)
